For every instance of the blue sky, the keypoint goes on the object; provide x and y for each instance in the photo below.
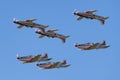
(85, 65)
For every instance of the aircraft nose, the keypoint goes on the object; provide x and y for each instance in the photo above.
(18, 57)
(36, 31)
(37, 64)
(14, 21)
(75, 45)
(74, 13)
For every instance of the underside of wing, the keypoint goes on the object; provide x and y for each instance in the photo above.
(42, 26)
(79, 18)
(31, 20)
(55, 64)
(91, 12)
(36, 58)
(41, 36)
(107, 46)
(94, 45)
(20, 26)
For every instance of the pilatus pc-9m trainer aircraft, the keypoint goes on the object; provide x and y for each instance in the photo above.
(50, 65)
(86, 46)
(29, 23)
(52, 34)
(29, 59)
(48, 33)
(90, 15)
(90, 46)
(37, 58)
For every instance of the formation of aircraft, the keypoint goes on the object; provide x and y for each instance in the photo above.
(90, 46)
(44, 58)
(29, 23)
(52, 34)
(51, 65)
(30, 58)
(41, 30)
(90, 15)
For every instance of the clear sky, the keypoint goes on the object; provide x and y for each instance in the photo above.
(85, 65)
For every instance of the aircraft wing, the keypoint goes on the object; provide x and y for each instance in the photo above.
(36, 58)
(79, 18)
(55, 64)
(94, 45)
(30, 20)
(90, 12)
(20, 26)
(52, 31)
(41, 36)
(42, 26)
(107, 46)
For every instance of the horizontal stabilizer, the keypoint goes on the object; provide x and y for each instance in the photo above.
(44, 26)
(106, 17)
(67, 36)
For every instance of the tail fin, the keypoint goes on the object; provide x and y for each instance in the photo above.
(64, 39)
(64, 62)
(104, 42)
(102, 21)
(45, 56)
